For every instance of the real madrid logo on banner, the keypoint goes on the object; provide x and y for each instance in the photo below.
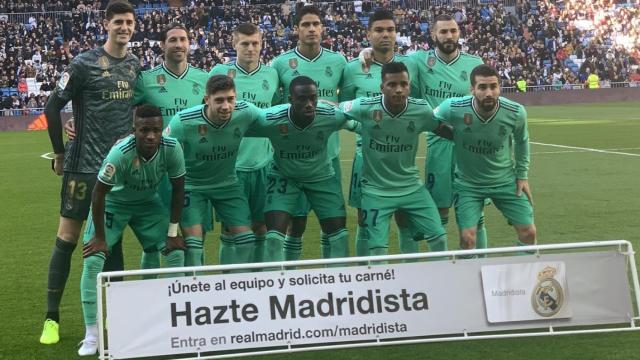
(468, 119)
(431, 61)
(377, 117)
(231, 73)
(293, 63)
(103, 62)
(328, 71)
(547, 297)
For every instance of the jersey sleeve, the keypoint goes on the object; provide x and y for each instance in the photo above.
(174, 129)
(216, 70)
(138, 92)
(442, 113)
(351, 109)
(175, 162)
(429, 121)
(111, 171)
(521, 145)
(71, 81)
(258, 128)
(347, 86)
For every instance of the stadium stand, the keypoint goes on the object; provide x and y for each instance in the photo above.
(549, 44)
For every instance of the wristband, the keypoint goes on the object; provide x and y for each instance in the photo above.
(173, 230)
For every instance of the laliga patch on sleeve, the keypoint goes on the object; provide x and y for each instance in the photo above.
(347, 106)
(64, 80)
(435, 111)
(109, 171)
(167, 131)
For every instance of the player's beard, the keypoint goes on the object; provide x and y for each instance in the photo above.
(488, 105)
(447, 47)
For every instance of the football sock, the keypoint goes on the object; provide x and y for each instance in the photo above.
(59, 267)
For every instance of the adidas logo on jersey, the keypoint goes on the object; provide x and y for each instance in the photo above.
(203, 140)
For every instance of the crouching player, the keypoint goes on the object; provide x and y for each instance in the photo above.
(126, 194)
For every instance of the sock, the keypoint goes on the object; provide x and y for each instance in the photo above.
(174, 259)
(325, 246)
(481, 236)
(59, 266)
(362, 241)
(150, 260)
(438, 244)
(444, 220)
(338, 243)
(520, 243)
(91, 332)
(273, 246)
(292, 247)
(193, 254)
(258, 250)
(407, 244)
(91, 267)
(115, 260)
(244, 244)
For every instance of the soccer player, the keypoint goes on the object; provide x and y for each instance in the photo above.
(257, 84)
(299, 133)
(126, 194)
(310, 59)
(210, 135)
(492, 157)
(444, 73)
(100, 83)
(391, 126)
(360, 80)
(172, 86)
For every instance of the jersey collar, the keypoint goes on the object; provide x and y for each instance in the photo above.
(406, 105)
(381, 64)
(447, 63)
(306, 59)
(241, 69)
(184, 73)
(483, 120)
(206, 118)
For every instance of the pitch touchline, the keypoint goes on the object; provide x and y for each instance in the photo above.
(585, 149)
(578, 151)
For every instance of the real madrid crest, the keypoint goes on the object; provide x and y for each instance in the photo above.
(103, 62)
(195, 89)
(265, 85)
(293, 63)
(237, 134)
(547, 297)
(411, 128)
(503, 131)
(320, 136)
(328, 71)
(464, 76)
(431, 61)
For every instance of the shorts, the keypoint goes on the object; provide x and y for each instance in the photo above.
(254, 185)
(149, 222)
(470, 201)
(165, 190)
(229, 202)
(418, 207)
(355, 186)
(303, 207)
(75, 195)
(439, 169)
(324, 197)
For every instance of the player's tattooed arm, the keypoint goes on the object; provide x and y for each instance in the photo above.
(98, 242)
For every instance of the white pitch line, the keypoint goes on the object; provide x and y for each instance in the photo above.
(578, 151)
(585, 149)
(47, 156)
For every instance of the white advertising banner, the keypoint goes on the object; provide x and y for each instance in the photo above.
(533, 291)
(330, 305)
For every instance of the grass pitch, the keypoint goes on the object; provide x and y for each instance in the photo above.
(584, 176)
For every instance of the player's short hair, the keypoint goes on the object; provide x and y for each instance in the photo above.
(393, 67)
(118, 7)
(483, 70)
(380, 14)
(441, 17)
(246, 29)
(308, 9)
(147, 111)
(172, 26)
(300, 80)
(219, 83)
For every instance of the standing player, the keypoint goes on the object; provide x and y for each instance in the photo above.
(492, 157)
(300, 134)
(172, 86)
(126, 194)
(444, 73)
(100, 83)
(257, 84)
(325, 67)
(360, 80)
(210, 135)
(391, 126)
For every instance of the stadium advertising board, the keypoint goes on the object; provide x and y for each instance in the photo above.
(245, 311)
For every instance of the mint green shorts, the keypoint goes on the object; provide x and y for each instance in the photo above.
(355, 186)
(303, 207)
(470, 201)
(229, 202)
(254, 185)
(439, 169)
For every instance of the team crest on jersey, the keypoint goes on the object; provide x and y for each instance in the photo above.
(265, 85)
(64, 80)
(468, 119)
(132, 72)
(411, 128)
(293, 63)
(109, 171)
(202, 130)
(195, 89)
(377, 117)
(503, 131)
(320, 136)
(464, 76)
(103, 62)
(547, 297)
(328, 71)
(231, 73)
(284, 130)
(431, 61)
(237, 134)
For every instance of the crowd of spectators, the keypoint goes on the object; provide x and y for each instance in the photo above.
(539, 42)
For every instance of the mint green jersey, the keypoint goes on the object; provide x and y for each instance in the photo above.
(133, 178)
(261, 88)
(358, 83)
(390, 143)
(483, 146)
(170, 92)
(210, 149)
(301, 153)
(325, 69)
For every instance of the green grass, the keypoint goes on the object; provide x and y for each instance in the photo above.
(579, 195)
